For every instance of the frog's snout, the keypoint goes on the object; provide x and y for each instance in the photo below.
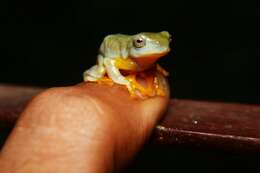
(166, 34)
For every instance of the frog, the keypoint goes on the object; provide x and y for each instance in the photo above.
(122, 58)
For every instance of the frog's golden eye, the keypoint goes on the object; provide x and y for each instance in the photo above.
(139, 42)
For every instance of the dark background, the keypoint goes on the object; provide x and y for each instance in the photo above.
(215, 52)
(215, 55)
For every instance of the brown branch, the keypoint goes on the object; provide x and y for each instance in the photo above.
(233, 127)
(12, 101)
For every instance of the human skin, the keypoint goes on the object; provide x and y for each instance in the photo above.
(89, 127)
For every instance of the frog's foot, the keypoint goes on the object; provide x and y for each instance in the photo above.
(150, 84)
(90, 78)
(137, 89)
(105, 80)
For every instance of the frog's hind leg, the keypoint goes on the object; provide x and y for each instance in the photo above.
(92, 74)
(96, 72)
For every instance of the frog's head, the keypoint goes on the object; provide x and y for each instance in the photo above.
(149, 44)
(146, 48)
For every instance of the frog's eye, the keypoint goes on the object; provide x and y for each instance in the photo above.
(139, 42)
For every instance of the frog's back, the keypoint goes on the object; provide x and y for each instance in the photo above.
(117, 37)
(115, 45)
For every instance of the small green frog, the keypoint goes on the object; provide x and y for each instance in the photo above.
(128, 53)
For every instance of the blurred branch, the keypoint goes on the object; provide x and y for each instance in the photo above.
(13, 99)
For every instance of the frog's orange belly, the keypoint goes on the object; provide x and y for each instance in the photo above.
(137, 64)
(145, 62)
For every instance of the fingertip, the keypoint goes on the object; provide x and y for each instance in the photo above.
(154, 108)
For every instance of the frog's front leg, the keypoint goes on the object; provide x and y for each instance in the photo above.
(96, 72)
(114, 73)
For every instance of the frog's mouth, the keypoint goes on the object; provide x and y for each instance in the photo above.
(145, 62)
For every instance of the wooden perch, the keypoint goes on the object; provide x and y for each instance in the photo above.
(13, 99)
(225, 126)
(232, 127)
